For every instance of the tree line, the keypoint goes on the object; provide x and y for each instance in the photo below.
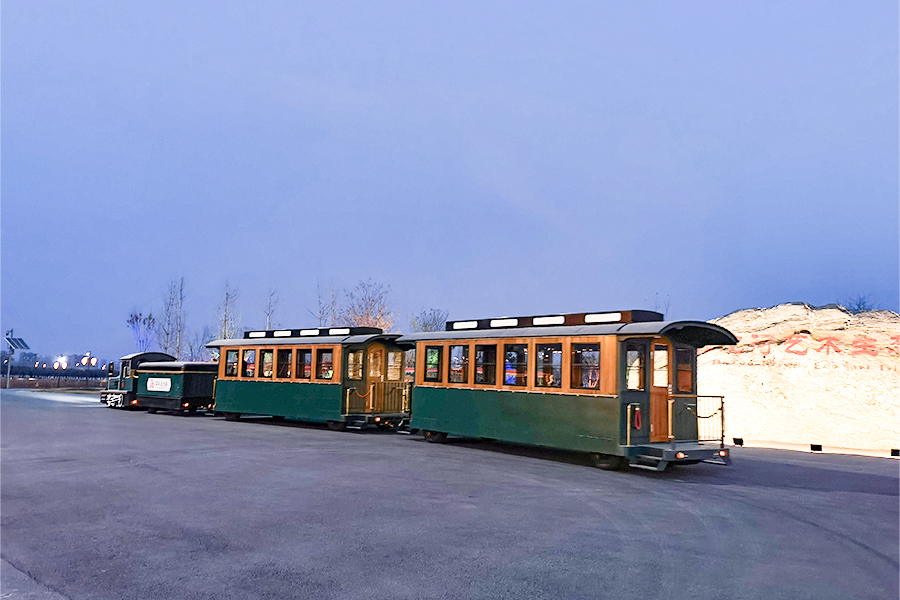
(368, 304)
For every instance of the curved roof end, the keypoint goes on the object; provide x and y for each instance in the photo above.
(698, 333)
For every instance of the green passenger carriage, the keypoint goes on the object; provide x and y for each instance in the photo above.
(621, 386)
(177, 386)
(342, 376)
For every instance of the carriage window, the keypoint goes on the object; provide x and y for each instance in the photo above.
(394, 365)
(266, 362)
(248, 363)
(549, 365)
(684, 360)
(433, 363)
(586, 366)
(486, 365)
(231, 363)
(324, 364)
(376, 363)
(284, 363)
(355, 365)
(459, 364)
(304, 364)
(660, 366)
(515, 366)
(634, 367)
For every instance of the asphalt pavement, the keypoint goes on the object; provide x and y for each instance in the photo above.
(98, 503)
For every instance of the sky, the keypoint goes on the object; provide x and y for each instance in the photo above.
(485, 158)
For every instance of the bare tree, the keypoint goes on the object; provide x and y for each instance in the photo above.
(170, 328)
(271, 302)
(368, 306)
(433, 319)
(859, 303)
(229, 317)
(196, 345)
(143, 329)
(327, 311)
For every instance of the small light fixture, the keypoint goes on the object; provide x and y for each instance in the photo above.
(680, 455)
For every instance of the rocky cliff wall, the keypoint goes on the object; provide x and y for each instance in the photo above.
(806, 375)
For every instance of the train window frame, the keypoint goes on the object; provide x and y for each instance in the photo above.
(556, 372)
(233, 363)
(660, 362)
(432, 374)
(464, 370)
(576, 381)
(355, 365)
(479, 348)
(692, 368)
(519, 378)
(300, 368)
(245, 363)
(279, 363)
(641, 352)
(260, 363)
(395, 364)
(320, 363)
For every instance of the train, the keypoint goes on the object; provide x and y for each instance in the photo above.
(620, 386)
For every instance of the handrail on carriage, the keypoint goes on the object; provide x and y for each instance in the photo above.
(694, 409)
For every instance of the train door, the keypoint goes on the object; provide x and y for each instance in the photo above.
(660, 389)
(375, 377)
(634, 388)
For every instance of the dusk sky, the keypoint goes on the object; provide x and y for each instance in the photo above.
(484, 158)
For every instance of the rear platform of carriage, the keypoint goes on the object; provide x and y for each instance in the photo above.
(347, 377)
(621, 386)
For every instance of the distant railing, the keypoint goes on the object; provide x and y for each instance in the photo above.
(381, 397)
(700, 418)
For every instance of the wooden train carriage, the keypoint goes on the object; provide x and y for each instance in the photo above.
(176, 386)
(343, 376)
(621, 386)
(121, 389)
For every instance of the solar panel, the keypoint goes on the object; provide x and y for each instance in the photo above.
(17, 343)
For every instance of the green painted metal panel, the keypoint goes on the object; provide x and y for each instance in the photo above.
(575, 422)
(295, 400)
(175, 383)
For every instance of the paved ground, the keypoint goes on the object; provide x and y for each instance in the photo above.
(100, 503)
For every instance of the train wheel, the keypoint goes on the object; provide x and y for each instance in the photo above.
(607, 462)
(337, 425)
(232, 416)
(152, 411)
(435, 437)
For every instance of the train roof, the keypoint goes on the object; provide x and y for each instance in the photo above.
(313, 340)
(156, 356)
(178, 366)
(693, 333)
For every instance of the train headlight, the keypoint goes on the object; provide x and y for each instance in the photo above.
(680, 455)
(723, 453)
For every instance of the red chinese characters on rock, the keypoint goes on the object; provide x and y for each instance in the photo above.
(763, 344)
(828, 345)
(895, 345)
(799, 344)
(865, 345)
(795, 340)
